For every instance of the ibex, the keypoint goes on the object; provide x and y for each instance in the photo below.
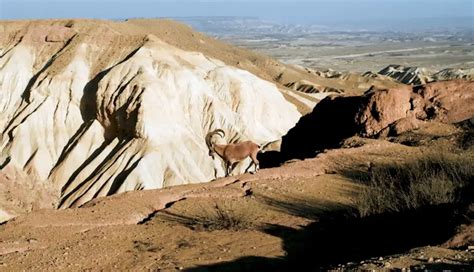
(231, 154)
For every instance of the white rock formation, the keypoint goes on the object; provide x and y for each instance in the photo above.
(453, 73)
(420, 75)
(408, 75)
(94, 122)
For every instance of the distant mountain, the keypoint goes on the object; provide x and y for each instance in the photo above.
(225, 26)
(250, 27)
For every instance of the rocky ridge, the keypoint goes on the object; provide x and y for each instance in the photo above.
(420, 75)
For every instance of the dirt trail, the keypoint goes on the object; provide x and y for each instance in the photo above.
(179, 228)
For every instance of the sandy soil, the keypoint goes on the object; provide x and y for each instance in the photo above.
(179, 228)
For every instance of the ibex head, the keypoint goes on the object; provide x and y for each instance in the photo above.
(209, 143)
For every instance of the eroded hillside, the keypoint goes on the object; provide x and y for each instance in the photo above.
(295, 216)
(93, 108)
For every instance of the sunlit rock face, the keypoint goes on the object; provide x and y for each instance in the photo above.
(420, 75)
(89, 109)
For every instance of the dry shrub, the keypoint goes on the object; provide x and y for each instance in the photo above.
(433, 180)
(216, 216)
(223, 217)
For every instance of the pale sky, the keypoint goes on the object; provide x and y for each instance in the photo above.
(284, 11)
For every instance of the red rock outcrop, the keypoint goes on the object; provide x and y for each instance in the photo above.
(391, 112)
(378, 113)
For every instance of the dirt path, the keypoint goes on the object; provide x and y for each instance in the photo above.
(238, 223)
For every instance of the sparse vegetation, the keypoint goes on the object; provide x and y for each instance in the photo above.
(466, 138)
(217, 216)
(353, 142)
(435, 179)
(220, 218)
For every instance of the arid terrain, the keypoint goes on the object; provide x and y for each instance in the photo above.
(104, 164)
(345, 49)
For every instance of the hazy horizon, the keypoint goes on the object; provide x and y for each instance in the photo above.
(364, 13)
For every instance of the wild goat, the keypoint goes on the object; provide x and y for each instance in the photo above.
(231, 154)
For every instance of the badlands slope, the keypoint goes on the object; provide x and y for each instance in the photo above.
(420, 75)
(93, 108)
